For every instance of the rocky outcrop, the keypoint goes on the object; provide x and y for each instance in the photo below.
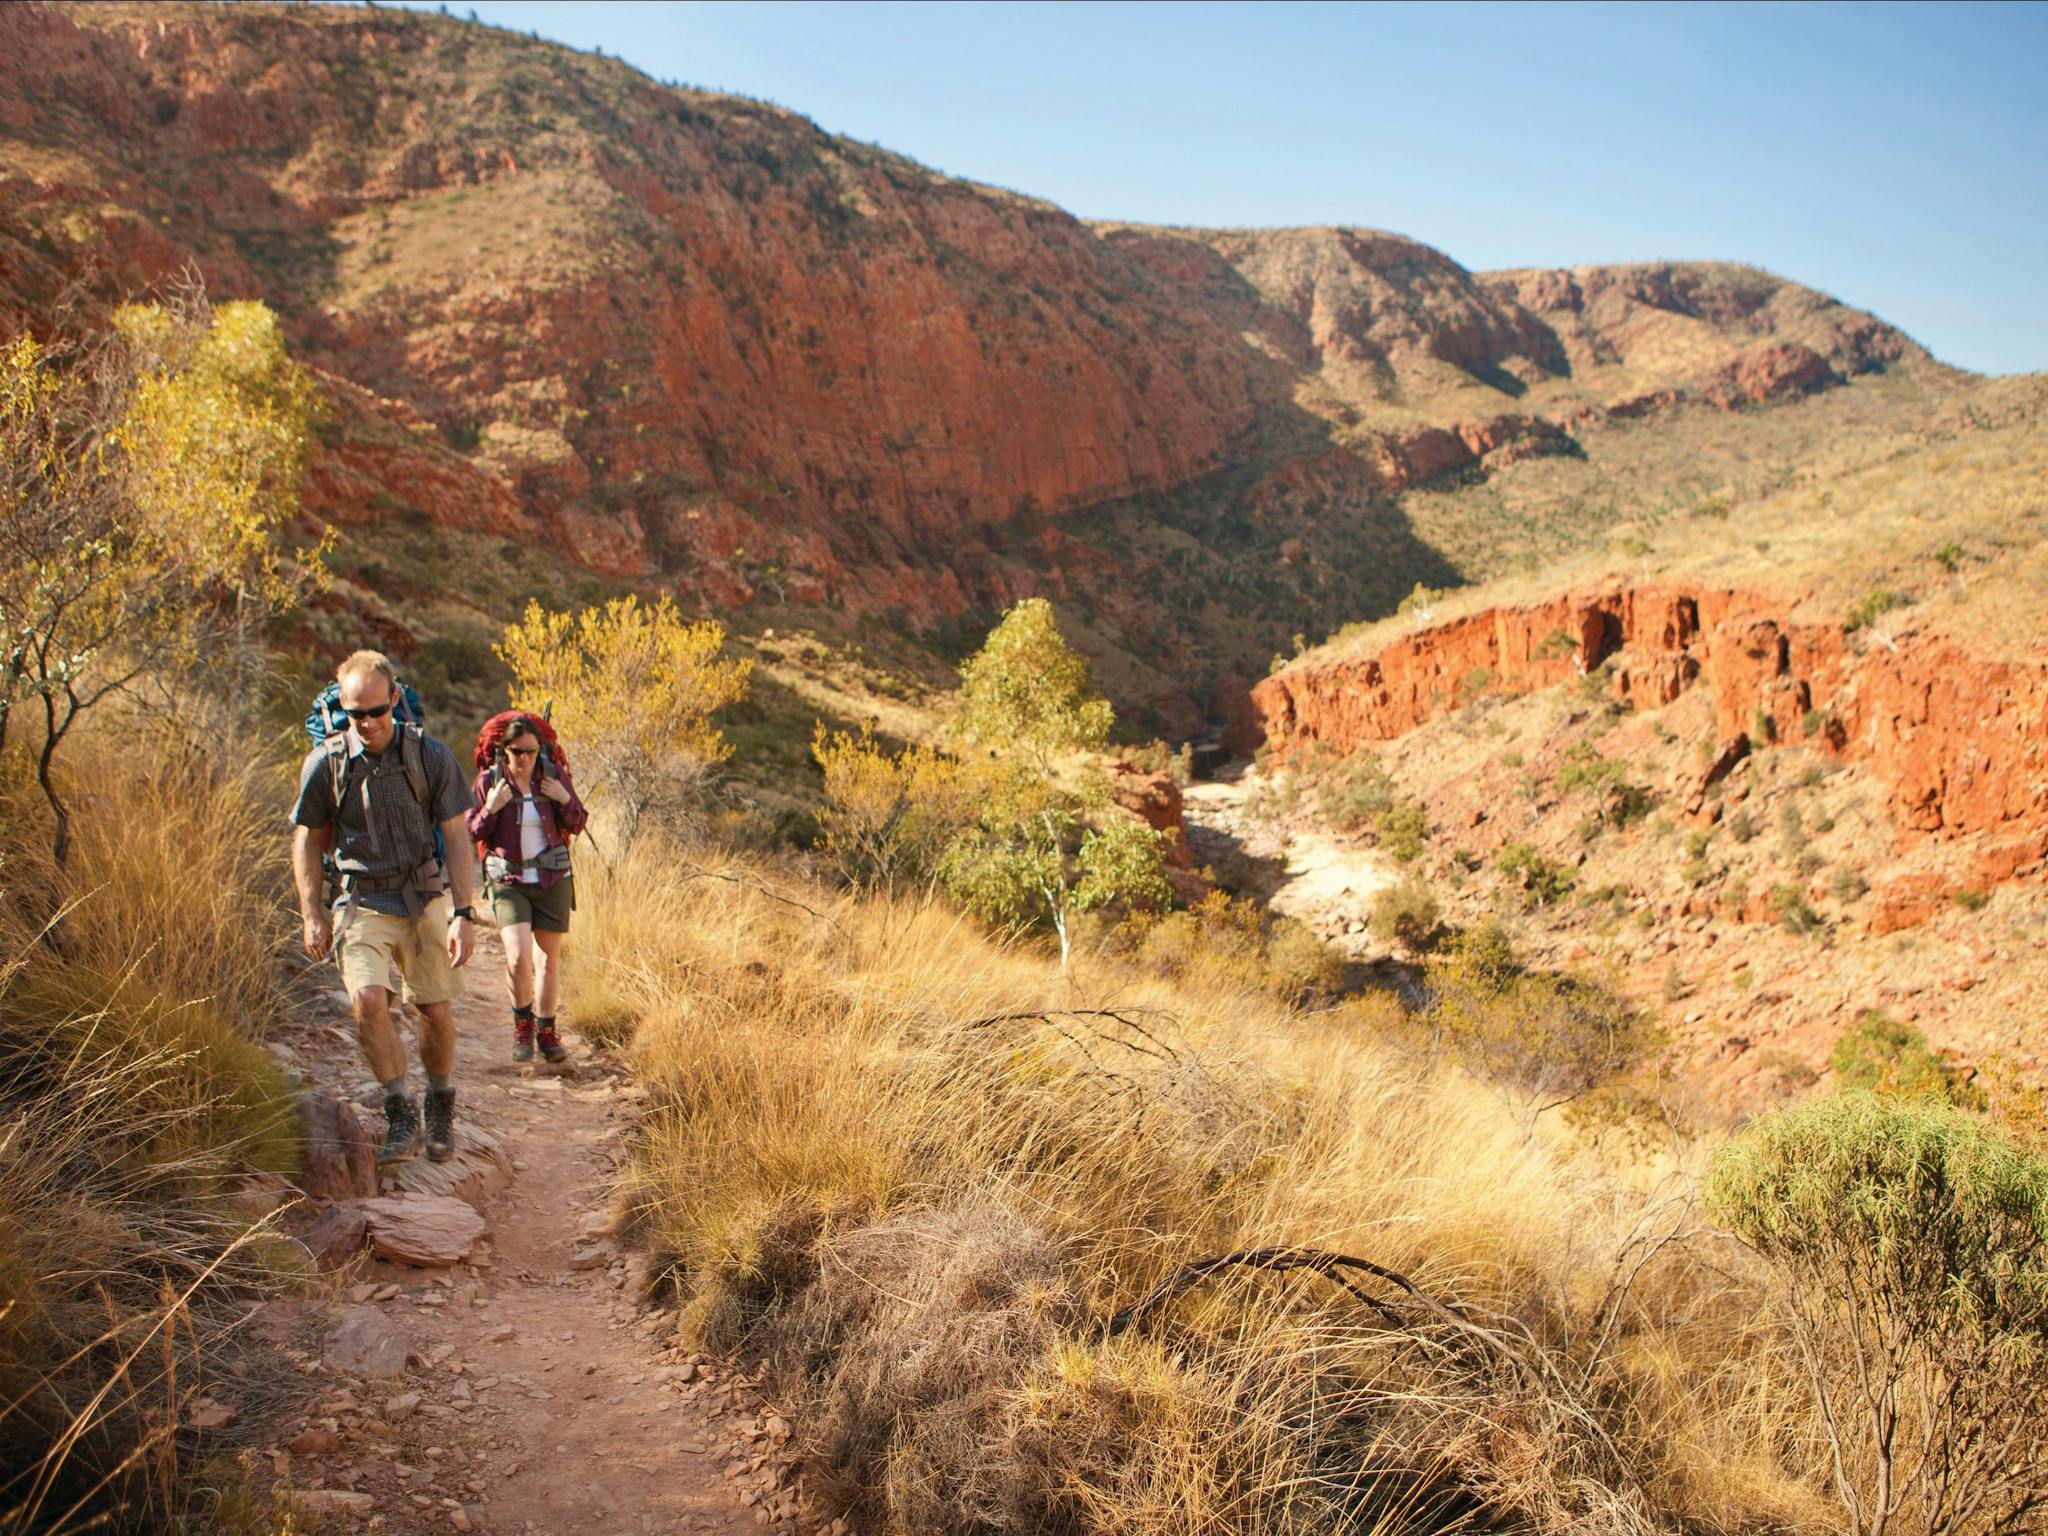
(1960, 741)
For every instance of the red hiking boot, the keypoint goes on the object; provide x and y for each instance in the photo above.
(551, 1043)
(522, 1038)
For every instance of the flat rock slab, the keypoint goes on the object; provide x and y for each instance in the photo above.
(478, 1170)
(362, 1341)
(431, 1231)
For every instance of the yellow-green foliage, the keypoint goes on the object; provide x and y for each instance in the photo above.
(134, 1088)
(890, 817)
(912, 1171)
(633, 687)
(143, 479)
(1026, 691)
(1040, 850)
(216, 436)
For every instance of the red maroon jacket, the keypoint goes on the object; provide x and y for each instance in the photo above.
(498, 831)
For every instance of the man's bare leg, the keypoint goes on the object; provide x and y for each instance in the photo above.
(377, 1035)
(385, 1053)
(437, 1039)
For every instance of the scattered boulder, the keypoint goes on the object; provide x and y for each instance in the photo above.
(341, 1161)
(1731, 751)
(337, 1234)
(431, 1231)
(313, 1442)
(364, 1342)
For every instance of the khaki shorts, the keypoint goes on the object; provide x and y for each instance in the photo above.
(546, 911)
(376, 943)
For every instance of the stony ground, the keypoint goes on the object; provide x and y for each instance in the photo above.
(526, 1387)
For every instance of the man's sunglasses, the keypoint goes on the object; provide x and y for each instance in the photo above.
(368, 714)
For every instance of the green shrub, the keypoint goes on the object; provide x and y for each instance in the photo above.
(1403, 830)
(1795, 913)
(1847, 885)
(1473, 684)
(1911, 1243)
(1949, 556)
(1357, 792)
(1406, 914)
(1879, 1054)
(1871, 606)
(1298, 964)
(1584, 768)
(1972, 900)
(1542, 881)
(1741, 827)
(1553, 1038)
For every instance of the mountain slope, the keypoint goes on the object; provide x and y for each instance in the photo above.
(688, 339)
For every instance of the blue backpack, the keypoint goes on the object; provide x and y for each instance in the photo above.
(325, 718)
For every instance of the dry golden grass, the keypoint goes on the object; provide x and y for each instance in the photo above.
(915, 1173)
(1871, 511)
(133, 1092)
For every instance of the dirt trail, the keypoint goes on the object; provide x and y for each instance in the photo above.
(537, 1393)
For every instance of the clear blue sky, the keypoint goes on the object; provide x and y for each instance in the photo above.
(1895, 156)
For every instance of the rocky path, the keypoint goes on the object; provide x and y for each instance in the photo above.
(518, 1382)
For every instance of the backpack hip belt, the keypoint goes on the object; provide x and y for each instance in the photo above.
(500, 869)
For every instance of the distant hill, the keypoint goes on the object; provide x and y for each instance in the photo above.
(687, 339)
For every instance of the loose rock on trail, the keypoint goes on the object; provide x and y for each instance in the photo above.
(479, 1355)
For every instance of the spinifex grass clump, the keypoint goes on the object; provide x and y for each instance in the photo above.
(1913, 1246)
(917, 1173)
(133, 1091)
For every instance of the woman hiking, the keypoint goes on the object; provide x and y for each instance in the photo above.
(524, 811)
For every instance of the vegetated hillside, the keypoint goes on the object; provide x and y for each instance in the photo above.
(688, 339)
(1782, 765)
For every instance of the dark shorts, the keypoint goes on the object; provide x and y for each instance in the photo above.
(547, 911)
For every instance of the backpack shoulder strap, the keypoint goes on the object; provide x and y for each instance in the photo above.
(415, 762)
(336, 748)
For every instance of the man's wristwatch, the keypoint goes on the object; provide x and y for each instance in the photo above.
(462, 914)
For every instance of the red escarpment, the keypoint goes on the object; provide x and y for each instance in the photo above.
(1959, 741)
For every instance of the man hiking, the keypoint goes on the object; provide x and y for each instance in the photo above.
(374, 794)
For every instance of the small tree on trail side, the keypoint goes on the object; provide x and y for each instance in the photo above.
(633, 687)
(145, 474)
(1043, 850)
(1912, 1242)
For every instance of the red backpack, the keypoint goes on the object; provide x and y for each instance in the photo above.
(490, 741)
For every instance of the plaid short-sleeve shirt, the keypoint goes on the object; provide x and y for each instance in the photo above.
(379, 828)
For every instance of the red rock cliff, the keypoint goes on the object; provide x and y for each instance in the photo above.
(1960, 741)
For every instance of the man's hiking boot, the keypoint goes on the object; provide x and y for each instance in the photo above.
(440, 1124)
(401, 1128)
(551, 1043)
(522, 1038)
